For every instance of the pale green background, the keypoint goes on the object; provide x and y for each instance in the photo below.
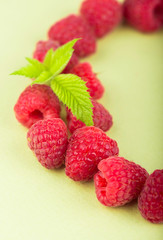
(40, 204)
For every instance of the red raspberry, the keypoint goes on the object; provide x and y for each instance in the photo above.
(150, 202)
(72, 63)
(74, 27)
(101, 118)
(48, 140)
(84, 70)
(144, 15)
(36, 103)
(42, 48)
(102, 15)
(119, 181)
(87, 147)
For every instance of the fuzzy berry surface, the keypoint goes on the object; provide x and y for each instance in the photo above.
(150, 202)
(144, 15)
(101, 118)
(84, 70)
(118, 181)
(74, 27)
(42, 47)
(102, 15)
(87, 147)
(36, 103)
(48, 140)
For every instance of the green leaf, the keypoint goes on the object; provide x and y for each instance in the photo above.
(48, 58)
(72, 91)
(33, 70)
(58, 59)
(54, 63)
(36, 63)
(44, 77)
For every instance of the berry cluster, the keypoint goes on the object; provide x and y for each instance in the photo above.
(90, 153)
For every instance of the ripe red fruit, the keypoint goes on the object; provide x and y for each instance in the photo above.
(74, 27)
(150, 202)
(48, 140)
(102, 15)
(144, 15)
(42, 48)
(36, 103)
(87, 147)
(101, 118)
(84, 70)
(118, 181)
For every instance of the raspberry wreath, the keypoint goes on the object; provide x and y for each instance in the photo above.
(89, 152)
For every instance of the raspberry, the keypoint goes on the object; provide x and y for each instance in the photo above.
(36, 103)
(48, 140)
(74, 27)
(119, 181)
(144, 15)
(102, 15)
(101, 118)
(84, 70)
(42, 48)
(72, 63)
(150, 202)
(87, 147)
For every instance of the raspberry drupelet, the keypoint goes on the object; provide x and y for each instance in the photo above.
(72, 27)
(101, 118)
(150, 202)
(144, 15)
(48, 139)
(36, 103)
(102, 15)
(87, 147)
(118, 181)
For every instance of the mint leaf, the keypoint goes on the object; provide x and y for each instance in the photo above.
(69, 88)
(54, 63)
(48, 58)
(58, 59)
(36, 63)
(72, 91)
(33, 70)
(44, 77)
